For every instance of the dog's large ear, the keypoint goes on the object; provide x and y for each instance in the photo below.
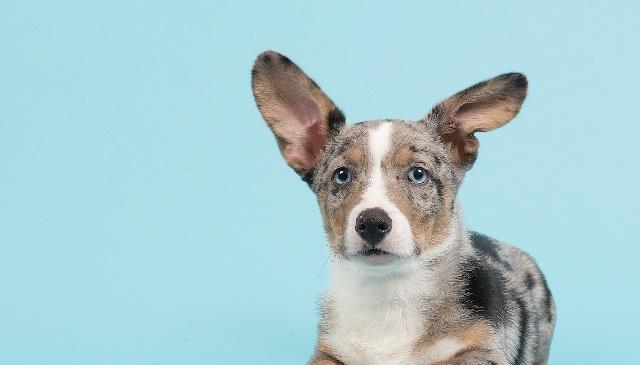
(300, 115)
(482, 107)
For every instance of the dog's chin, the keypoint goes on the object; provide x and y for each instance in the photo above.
(378, 260)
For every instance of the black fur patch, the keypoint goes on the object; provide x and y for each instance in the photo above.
(547, 298)
(437, 161)
(286, 60)
(529, 281)
(524, 324)
(484, 245)
(266, 58)
(485, 291)
(517, 80)
(439, 187)
(308, 177)
(436, 114)
(335, 120)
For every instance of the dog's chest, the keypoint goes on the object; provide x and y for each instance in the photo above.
(381, 324)
(384, 334)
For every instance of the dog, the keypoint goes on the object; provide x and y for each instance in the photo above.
(409, 284)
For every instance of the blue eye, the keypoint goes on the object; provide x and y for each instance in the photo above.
(342, 176)
(418, 175)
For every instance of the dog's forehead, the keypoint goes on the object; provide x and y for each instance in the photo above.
(417, 135)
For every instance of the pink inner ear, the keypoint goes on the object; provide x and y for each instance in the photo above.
(303, 153)
(295, 109)
(311, 139)
(316, 140)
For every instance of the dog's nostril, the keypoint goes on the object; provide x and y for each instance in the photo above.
(361, 227)
(382, 227)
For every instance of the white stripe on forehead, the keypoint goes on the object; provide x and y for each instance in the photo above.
(379, 140)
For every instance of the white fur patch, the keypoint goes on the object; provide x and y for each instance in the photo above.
(442, 350)
(377, 319)
(399, 240)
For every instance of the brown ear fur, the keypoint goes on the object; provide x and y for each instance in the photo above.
(300, 115)
(482, 107)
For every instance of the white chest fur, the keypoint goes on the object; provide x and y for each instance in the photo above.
(377, 320)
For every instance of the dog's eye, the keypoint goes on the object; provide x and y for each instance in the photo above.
(342, 176)
(418, 175)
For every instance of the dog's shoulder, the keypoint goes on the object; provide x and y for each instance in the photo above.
(484, 278)
(496, 273)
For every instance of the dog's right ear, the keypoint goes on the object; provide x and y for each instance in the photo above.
(300, 115)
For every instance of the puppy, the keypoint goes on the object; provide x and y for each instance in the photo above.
(409, 285)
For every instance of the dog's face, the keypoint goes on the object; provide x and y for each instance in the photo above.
(386, 188)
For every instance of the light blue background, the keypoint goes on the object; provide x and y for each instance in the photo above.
(146, 216)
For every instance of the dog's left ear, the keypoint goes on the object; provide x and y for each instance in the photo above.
(300, 115)
(482, 107)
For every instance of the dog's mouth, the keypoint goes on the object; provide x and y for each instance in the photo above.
(376, 257)
(374, 252)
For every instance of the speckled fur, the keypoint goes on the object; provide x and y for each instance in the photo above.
(455, 297)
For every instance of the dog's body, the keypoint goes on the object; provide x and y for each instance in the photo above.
(410, 285)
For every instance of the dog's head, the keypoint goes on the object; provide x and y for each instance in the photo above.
(386, 188)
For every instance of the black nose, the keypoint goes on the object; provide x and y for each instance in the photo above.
(372, 225)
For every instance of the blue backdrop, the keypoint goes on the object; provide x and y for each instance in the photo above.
(146, 216)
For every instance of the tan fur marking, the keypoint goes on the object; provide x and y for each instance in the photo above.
(475, 335)
(471, 337)
(324, 355)
(332, 225)
(403, 156)
(356, 155)
(324, 362)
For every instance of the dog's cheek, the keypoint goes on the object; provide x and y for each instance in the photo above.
(435, 218)
(334, 218)
(426, 212)
(436, 230)
(326, 218)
